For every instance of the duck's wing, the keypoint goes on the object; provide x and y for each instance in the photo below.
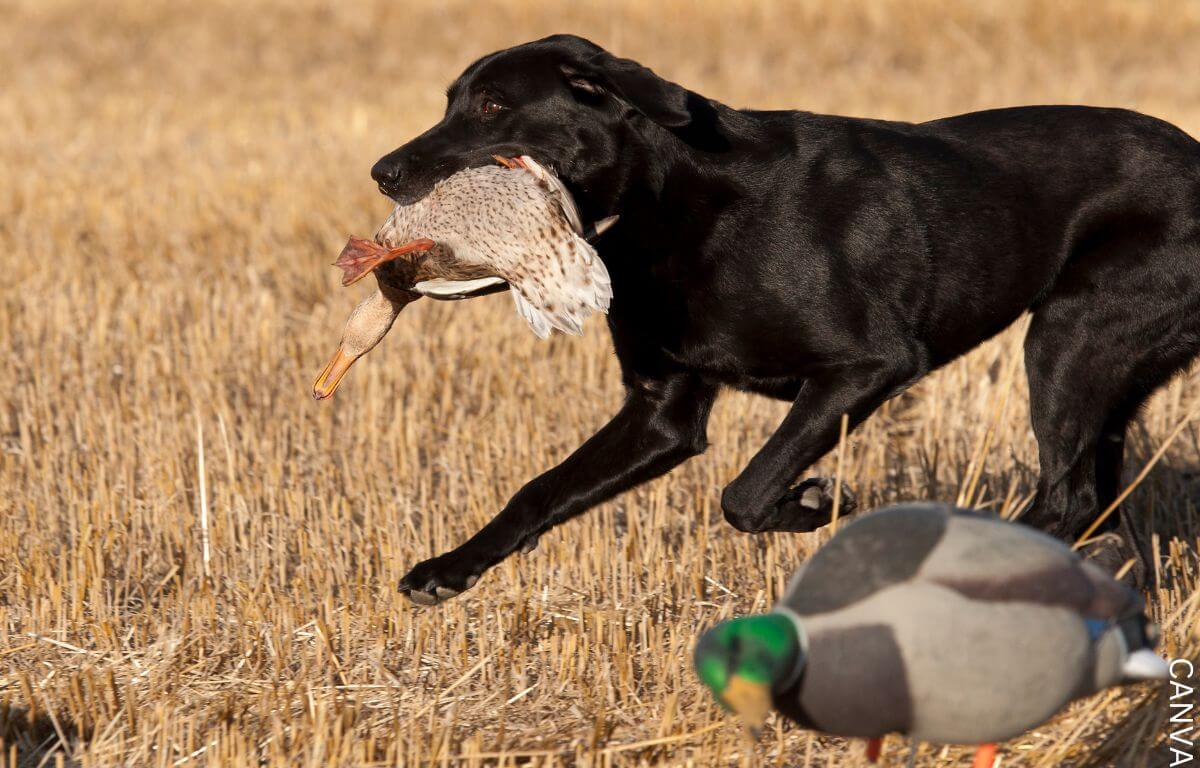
(872, 553)
(985, 558)
(560, 280)
(978, 556)
(992, 562)
(558, 283)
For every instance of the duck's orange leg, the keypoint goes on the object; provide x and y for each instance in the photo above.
(985, 756)
(360, 257)
(874, 749)
(509, 162)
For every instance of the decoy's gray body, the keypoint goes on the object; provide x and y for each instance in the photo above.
(950, 627)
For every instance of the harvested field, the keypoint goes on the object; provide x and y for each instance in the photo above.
(198, 563)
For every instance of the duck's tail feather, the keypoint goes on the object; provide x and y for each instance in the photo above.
(533, 315)
(1144, 664)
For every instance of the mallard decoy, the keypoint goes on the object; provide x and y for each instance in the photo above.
(512, 225)
(938, 623)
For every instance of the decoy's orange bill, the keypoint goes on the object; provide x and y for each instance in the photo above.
(749, 699)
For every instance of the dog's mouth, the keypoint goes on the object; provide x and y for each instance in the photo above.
(405, 194)
(409, 191)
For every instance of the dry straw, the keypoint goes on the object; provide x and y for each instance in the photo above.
(198, 563)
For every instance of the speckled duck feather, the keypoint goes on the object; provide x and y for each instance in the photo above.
(519, 225)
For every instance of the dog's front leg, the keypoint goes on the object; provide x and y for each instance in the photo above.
(761, 497)
(661, 424)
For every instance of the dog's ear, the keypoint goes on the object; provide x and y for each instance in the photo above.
(662, 101)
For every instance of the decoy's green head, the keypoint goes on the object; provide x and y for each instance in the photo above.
(743, 660)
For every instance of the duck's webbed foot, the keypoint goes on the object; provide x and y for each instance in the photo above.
(510, 163)
(360, 257)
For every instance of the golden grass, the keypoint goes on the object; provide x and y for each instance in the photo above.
(176, 180)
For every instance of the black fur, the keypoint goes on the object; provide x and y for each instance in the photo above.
(832, 262)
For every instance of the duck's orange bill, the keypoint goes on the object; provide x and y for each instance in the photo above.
(360, 257)
(329, 378)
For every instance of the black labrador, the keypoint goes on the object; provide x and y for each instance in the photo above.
(832, 262)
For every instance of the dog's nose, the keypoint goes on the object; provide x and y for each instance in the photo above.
(385, 171)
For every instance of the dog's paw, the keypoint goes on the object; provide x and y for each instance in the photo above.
(438, 580)
(809, 505)
(1111, 553)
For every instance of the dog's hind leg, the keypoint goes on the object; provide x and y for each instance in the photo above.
(1079, 482)
(1109, 334)
(1155, 368)
(1072, 387)
(1125, 525)
(1110, 458)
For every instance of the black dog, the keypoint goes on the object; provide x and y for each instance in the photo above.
(832, 262)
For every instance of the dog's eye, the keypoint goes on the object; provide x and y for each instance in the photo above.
(490, 107)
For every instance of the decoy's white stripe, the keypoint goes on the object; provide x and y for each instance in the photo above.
(802, 638)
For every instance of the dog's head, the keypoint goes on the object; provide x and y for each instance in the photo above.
(563, 100)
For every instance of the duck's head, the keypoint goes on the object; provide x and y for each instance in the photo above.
(745, 660)
(368, 324)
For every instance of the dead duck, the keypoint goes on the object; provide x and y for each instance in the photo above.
(509, 226)
(940, 624)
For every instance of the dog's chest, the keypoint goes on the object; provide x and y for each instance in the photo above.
(691, 313)
(731, 349)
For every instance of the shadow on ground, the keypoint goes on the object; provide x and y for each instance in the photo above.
(36, 738)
